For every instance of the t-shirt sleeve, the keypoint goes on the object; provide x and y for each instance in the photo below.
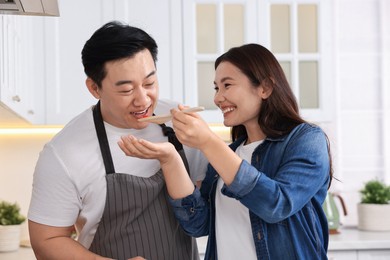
(54, 199)
(197, 163)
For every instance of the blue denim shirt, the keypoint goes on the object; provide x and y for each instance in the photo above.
(283, 189)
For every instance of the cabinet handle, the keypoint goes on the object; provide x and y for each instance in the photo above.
(16, 98)
(30, 112)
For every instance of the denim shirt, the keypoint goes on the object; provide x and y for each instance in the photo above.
(283, 188)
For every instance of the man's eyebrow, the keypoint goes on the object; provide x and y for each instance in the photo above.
(150, 74)
(124, 82)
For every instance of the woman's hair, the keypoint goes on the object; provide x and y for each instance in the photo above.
(114, 41)
(279, 113)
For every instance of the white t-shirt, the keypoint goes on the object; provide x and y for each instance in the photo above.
(232, 224)
(69, 184)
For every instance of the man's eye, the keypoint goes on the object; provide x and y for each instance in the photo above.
(149, 84)
(127, 91)
(216, 88)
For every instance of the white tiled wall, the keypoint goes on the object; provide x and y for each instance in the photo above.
(360, 112)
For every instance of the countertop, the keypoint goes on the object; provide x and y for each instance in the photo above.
(349, 238)
(23, 253)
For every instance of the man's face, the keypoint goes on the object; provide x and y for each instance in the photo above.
(129, 91)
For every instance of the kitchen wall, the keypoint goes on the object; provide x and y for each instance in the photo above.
(361, 98)
(18, 155)
(359, 130)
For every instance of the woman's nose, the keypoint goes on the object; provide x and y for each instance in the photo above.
(219, 97)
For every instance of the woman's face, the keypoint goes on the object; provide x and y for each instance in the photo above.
(237, 98)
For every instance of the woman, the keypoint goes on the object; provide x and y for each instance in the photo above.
(261, 198)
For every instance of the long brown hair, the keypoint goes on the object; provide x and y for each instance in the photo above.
(279, 112)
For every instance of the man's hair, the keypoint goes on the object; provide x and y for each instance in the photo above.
(114, 41)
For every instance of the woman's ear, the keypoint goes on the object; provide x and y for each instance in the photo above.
(266, 88)
(92, 87)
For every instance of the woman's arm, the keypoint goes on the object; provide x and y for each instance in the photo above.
(192, 131)
(178, 182)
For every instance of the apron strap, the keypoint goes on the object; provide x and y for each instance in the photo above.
(103, 141)
(105, 148)
(168, 131)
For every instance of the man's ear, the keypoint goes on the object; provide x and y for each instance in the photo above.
(92, 87)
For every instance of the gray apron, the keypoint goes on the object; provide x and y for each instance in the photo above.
(137, 219)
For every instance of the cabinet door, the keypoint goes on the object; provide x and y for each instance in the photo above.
(374, 255)
(297, 32)
(343, 255)
(210, 28)
(20, 69)
(66, 93)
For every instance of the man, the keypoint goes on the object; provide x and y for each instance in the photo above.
(82, 179)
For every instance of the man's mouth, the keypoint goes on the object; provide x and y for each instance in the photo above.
(140, 114)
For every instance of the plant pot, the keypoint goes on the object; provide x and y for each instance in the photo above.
(9, 238)
(374, 217)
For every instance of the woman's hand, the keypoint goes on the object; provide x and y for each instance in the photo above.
(191, 129)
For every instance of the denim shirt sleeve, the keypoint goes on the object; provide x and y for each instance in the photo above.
(192, 212)
(244, 181)
(301, 170)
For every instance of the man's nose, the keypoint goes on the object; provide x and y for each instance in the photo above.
(141, 97)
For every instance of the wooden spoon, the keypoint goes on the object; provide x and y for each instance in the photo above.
(165, 118)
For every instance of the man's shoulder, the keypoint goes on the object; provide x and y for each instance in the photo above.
(75, 129)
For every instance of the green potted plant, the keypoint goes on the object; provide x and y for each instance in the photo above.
(374, 208)
(10, 226)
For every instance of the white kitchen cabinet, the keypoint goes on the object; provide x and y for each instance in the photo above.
(349, 244)
(377, 254)
(21, 77)
(65, 37)
(42, 77)
(353, 244)
(374, 254)
(297, 32)
(342, 255)
(66, 93)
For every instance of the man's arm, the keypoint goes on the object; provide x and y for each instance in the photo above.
(56, 243)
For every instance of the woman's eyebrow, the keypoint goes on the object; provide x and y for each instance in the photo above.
(224, 79)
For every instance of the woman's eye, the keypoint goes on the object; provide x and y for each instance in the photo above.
(216, 89)
(227, 85)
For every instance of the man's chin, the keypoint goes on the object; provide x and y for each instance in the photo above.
(140, 125)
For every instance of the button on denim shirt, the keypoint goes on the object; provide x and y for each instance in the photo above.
(283, 188)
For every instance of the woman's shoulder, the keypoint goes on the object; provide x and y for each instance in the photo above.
(307, 133)
(306, 128)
